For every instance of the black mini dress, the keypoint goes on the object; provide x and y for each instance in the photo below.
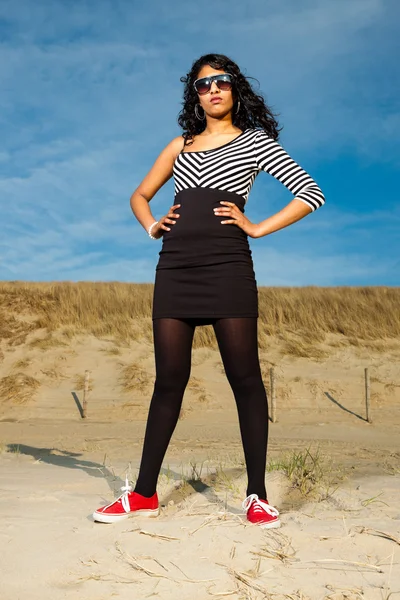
(205, 269)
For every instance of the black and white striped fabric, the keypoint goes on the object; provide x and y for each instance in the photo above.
(234, 166)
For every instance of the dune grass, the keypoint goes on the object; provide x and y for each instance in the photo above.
(300, 317)
(18, 388)
(133, 378)
(309, 471)
(23, 363)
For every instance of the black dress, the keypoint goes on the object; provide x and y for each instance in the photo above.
(205, 269)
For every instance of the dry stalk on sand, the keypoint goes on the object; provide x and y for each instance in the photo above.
(18, 387)
(281, 549)
(160, 536)
(222, 594)
(344, 593)
(245, 583)
(388, 536)
(222, 516)
(350, 563)
(131, 560)
(108, 577)
(246, 580)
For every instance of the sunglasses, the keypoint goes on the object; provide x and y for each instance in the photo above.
(224, 82)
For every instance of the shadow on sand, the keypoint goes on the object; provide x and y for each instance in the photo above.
(69, 460)
(185, 487)
(332, 399)
(74, 460)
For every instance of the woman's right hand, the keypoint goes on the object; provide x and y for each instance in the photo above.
(168, 218)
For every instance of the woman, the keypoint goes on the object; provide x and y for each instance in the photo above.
(205, 271)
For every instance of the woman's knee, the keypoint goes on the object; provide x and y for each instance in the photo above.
(246, 385)
(171, 383)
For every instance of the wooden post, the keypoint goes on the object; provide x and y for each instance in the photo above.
(367, 396)
(273, 396)
(85, 395)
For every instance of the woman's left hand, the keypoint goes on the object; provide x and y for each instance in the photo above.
(236, 217)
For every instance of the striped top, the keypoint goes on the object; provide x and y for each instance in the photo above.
(234, 166)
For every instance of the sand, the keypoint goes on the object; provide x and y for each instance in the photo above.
(56, 468)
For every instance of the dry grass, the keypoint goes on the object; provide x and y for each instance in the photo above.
(54, 373)
(134, 378)
(13, 330)
(299, 348)
(113, 351)
(302, 317)
(47, 342)
(23, 363)
(18, 388)
(196, 386)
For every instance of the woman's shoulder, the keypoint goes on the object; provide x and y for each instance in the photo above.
(174, 147)
(257, 132)
(176, 144)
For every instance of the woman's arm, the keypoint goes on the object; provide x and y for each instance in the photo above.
(273, 159)
(269, 156)
(159, 174)
(293, 212)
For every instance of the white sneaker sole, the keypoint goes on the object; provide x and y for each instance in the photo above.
(105, 518)
(273, 525)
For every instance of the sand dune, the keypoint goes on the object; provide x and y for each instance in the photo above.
(340, 533)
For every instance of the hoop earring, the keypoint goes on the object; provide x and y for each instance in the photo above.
(196, 112)
(238, 108)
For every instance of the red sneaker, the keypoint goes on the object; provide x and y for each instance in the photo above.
(127, 505)
(260, 512)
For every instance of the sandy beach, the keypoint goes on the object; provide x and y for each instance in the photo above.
(345, 545)
(56, 468)
(334, 477)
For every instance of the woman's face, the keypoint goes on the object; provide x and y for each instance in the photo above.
(216, 103)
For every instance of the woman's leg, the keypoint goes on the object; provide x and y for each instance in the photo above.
(172, 348)
(237, 341)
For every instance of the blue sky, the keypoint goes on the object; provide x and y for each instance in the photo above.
(90, 95)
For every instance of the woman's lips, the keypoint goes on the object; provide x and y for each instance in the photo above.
(215, 100)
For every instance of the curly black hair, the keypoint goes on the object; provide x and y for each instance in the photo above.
(253, 111)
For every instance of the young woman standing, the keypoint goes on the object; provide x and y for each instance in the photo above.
(205, 271)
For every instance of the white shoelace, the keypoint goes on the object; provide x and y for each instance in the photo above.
(123, 497)
(259, 505)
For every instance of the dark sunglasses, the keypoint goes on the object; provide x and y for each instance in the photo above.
(224, 83)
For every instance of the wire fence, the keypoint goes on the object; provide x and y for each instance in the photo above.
(359, 407)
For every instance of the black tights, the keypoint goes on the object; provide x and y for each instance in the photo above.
(237, 341)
